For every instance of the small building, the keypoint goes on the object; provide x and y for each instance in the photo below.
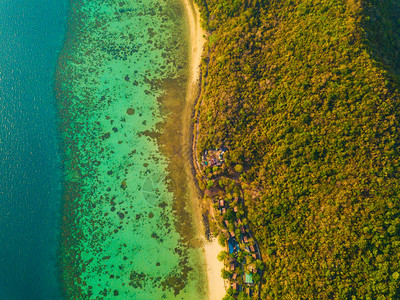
(245, 238)
(242, 230)
(251, 268)
(252, 249)
(235, 286)
(248, 279)
(232, 266)
(235, 209)
(221, 203)
(232, 234)
(234, 276)
(226, 223)
(224, 210)
(254, 255)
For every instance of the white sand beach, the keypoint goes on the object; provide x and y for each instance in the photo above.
(211, 249)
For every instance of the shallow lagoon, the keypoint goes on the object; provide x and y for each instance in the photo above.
(122, 234)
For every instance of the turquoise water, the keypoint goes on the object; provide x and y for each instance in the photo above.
(121, 233)
(31, 37)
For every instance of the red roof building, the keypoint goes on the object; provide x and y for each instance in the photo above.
(245, 239)
(232, 266)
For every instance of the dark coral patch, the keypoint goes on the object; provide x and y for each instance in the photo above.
(123, 185)
(105, 136)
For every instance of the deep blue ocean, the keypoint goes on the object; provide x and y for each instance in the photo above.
(31, 36)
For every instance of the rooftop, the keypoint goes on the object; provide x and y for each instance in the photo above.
(248, 278)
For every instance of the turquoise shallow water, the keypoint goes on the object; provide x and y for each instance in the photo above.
(120, 228)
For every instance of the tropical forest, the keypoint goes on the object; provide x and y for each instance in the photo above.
(305, 97)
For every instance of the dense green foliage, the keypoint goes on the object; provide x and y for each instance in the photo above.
(305, 94)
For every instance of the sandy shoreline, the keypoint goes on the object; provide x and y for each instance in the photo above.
(216, 290)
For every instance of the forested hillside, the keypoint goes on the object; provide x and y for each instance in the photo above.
(305, 95)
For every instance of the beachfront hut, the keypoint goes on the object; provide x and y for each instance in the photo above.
(248, 279)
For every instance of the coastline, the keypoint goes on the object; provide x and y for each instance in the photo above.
(211, 249)
(139, 164)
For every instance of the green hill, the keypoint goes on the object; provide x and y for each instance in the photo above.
(305, 94)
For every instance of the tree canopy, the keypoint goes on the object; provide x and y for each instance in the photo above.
(305, 94)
